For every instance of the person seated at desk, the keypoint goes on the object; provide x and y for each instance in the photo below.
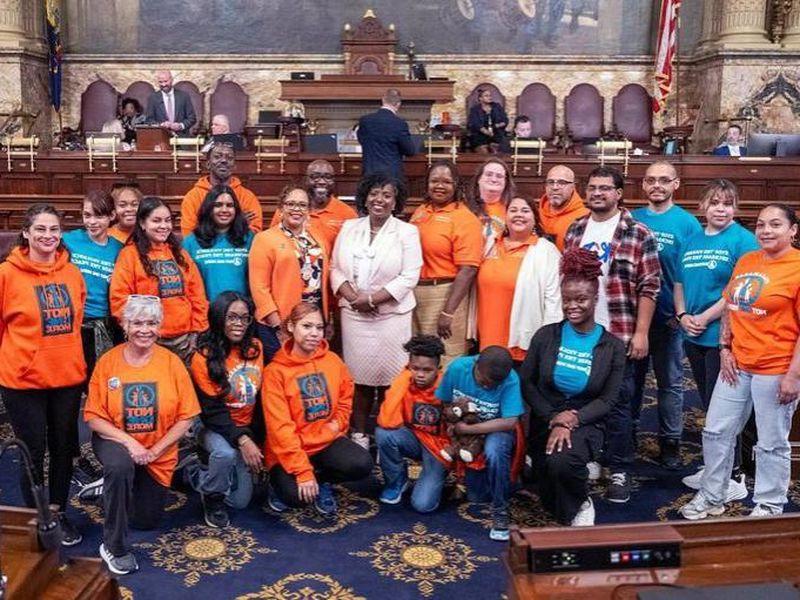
(221, 132)
(170, 108)
(487, 123)
(523, 128)
(733, 145)
(115, 126)
(131, 117)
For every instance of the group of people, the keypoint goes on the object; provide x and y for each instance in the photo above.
(220, 340)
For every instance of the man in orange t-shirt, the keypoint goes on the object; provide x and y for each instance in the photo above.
(328, 213)
(410, 426)
(560, 204)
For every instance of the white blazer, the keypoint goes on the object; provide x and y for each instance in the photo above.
(396, 260)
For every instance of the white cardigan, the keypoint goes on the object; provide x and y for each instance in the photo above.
(396, 261)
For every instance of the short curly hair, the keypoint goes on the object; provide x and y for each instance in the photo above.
(378, 180)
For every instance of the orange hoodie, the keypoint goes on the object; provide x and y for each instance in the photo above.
(301, 396)
(41, 312)
(182, 293)
(275, 279)
(190, 206)
(405, 405)
(555, 222)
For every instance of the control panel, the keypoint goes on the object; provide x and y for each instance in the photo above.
(592, 558)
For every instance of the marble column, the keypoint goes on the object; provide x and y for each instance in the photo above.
(12, 32)
(712, 18)
(743, 24)
(791, 32)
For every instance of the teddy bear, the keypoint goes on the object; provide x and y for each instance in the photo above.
(465, 447)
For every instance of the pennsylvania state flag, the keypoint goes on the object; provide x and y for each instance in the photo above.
(55, 50)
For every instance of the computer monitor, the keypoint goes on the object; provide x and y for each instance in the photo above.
(762, 144)
(268, 116)
(320, 143)
(788, 145)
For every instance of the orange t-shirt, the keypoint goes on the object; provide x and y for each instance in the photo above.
(419, 410)
(496, 211)
(763, 297)
(326, 221)
(144, 402)
(450, 237)
(244, 377)
(497, 280)
(117, 233)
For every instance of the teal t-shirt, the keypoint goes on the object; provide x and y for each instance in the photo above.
(574, 360)
(706, 266)
(501, 402)
(223, 266)
(96, 263)
(671, 230)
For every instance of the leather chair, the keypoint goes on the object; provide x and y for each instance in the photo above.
(632, 114)
(198, 103)
(231, 100)
(472, 100)
(583, 114)
(538, 103)
(99, 103)
(139, 91)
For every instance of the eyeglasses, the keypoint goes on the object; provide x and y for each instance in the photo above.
(296, 206)
(242, 319)
(557, 182)
(315, 175)
(599, 188)
(659, 180)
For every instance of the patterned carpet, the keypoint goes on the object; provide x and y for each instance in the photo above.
(371, 550)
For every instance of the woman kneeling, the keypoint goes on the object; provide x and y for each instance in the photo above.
(141, 402)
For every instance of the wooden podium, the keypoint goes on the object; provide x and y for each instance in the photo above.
(36, 573)
(152, 138)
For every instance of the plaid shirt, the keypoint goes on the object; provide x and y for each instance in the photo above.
(634, 271)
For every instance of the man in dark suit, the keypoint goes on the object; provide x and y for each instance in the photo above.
(732, 146)
(170, 108)
(385, 138)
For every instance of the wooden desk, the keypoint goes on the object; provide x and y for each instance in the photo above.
(715, 552)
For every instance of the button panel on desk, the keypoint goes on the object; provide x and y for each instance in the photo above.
(603, 558)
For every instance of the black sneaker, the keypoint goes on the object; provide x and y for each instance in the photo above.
(619, 488)
(214, 511)
(119, 565)
(671, 454)
(500, 526)
(87, 479)
(70, 535)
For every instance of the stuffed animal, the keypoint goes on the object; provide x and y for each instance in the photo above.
(465, 447)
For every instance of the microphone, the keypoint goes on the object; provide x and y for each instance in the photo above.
(48, 528)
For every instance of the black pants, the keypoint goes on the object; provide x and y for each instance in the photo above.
(130, 495)
(47, 421)
(705, 364)
(342, 461)
(563, 476)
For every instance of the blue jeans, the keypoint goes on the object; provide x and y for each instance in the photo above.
(227, 473)
(666, 352)
(727, 415)
(395, 445)
(493, 484)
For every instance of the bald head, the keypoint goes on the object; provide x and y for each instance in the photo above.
(320, 183)
(164, 80)
(659, 184)
(559, 185)
(220, 125)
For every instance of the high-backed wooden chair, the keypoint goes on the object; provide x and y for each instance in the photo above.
(230, 99)
(139, 91)
(583, 114)
(497, 96)
(198, 103)
(99, 103)
(632, 114)
(538, 103)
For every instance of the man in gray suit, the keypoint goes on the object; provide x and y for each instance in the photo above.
(170, 108)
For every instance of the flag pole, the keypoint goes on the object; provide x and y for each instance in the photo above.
(678, 70)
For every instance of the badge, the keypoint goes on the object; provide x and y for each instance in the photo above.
(113, 383)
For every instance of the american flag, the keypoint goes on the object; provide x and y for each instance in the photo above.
(665, 51)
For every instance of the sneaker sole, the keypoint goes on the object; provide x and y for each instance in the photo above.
(399, 498)
(714, 512)
(275, 509)
(105, 556)
(619, 500)
(215, 525)
(72, 542)
(92, 491)
(499, 537)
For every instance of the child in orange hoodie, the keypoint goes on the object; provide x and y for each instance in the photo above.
(307, 395)
(42, 369)
(154, 264)
(410, 426)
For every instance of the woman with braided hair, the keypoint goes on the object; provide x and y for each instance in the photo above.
(570, 379)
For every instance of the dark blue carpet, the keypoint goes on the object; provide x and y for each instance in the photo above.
(370, 550)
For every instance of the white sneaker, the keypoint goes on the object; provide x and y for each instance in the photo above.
(362, 439)
(762, 510)
(585, 516)
(737, 490)
(699, 508)
(594, 471)
(693, 481)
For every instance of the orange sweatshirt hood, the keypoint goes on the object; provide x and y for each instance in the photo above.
(204, 183)
(40, 322)
(556, 221)
(190, 205)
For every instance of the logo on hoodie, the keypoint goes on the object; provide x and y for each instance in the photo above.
(55, 308)
(315, 397)
(139, 407)
(170, 278)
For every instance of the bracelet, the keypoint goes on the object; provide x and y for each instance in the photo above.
(369, 301)
(448, 315)
(681, 315)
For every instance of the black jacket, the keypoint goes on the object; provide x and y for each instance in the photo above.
(215, 416)
(602, 390)
(385, 139)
